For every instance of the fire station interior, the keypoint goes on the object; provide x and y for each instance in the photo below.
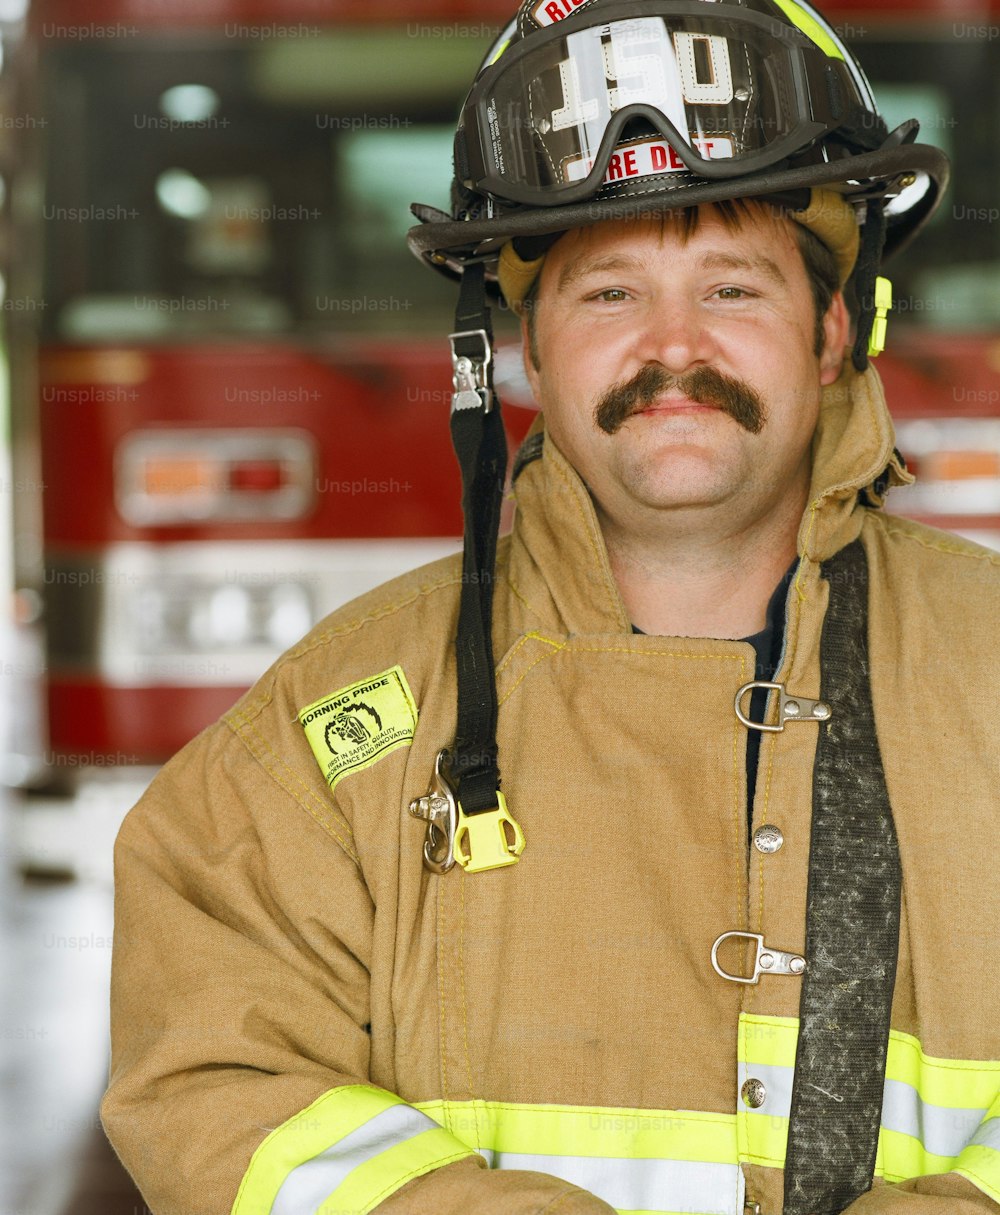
(225, 388)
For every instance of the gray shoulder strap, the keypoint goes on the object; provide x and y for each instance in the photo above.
(852, 923)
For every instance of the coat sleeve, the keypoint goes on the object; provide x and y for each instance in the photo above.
(971, 1187)
(240, 1045)
(936, 1194)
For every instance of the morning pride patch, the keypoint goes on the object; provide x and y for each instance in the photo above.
(355, 727)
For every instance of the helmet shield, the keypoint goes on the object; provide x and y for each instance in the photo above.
(719, 91)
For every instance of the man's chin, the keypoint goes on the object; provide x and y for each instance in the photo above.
(684, 472)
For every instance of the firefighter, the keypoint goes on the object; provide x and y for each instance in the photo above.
(643, 863)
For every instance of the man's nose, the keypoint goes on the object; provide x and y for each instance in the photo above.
(675, 335)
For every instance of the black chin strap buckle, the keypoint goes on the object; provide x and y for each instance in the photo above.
(471, 356)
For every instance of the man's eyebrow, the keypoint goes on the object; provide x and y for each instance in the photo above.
(573, 271)
(582, 267)
(735, 261)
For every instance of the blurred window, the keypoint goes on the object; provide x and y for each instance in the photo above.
(201, 188)
(950, 279)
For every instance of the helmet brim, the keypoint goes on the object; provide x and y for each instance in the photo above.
(448, 244)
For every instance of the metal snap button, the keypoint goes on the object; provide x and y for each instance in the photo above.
(754, 1093)
(768, 838)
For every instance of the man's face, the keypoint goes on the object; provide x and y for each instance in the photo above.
(679, 371)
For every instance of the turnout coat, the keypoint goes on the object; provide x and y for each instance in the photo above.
(306, 1020)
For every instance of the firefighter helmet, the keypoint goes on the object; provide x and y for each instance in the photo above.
(599, 109)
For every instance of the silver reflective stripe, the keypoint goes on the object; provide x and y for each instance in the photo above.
(988, 1135)
(307, 1187)
(778, 1083)
(641, 1184)
(942, 1131)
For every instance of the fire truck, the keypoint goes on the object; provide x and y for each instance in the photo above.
(232, 391)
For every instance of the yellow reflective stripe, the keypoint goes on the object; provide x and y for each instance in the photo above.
(901, 1156)
(766, 1139)
(918, 1115)
(812, 29)
(981, 1166)
(959, 1083)
(768, 1040)
(335, 1116)
(571, 1130)
(372, 1182)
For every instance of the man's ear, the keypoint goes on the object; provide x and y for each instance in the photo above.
(836, 332)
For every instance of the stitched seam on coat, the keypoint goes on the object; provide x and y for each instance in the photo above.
(572, 1192)
(743, 878)
(988, 1187)
(257, 706)
(442, 1018)
(465, 1009)
(621, 649)
(519, 1107)
(939, 546)
(859, 481)
(580, 649)
(742, 1131)
(417, 1172)
(238, 724)
(810, 528)
(518, 645)
(519, 595)
(541, 658)
(590, 539)
(794, 621)
(322, 808)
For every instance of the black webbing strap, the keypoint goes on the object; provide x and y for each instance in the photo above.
(865, 273)
(481, 447)
(852, 923)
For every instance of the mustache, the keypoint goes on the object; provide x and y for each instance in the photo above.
(704, 385)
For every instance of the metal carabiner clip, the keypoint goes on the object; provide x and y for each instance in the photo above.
(439, 809)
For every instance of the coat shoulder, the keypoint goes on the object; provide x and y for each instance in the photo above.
(408, 620)
(949, 582)
(932, 547)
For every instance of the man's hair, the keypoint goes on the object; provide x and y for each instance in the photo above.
(820, 263)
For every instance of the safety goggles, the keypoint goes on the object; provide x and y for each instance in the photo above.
(726, 94)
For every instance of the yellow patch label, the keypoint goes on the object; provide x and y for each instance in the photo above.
(355, 727)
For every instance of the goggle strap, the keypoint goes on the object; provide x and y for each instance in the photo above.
(462, 168)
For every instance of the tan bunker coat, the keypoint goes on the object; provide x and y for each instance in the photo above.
(306, 1020)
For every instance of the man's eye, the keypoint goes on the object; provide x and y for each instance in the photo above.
(611, 295)
(734, 293)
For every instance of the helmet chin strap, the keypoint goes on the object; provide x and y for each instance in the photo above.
(468, 822)
(481, 446)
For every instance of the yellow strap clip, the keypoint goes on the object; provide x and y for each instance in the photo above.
(883, 304)
(482, 840)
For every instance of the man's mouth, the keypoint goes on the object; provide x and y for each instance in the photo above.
(653, 390)
(670, 404)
